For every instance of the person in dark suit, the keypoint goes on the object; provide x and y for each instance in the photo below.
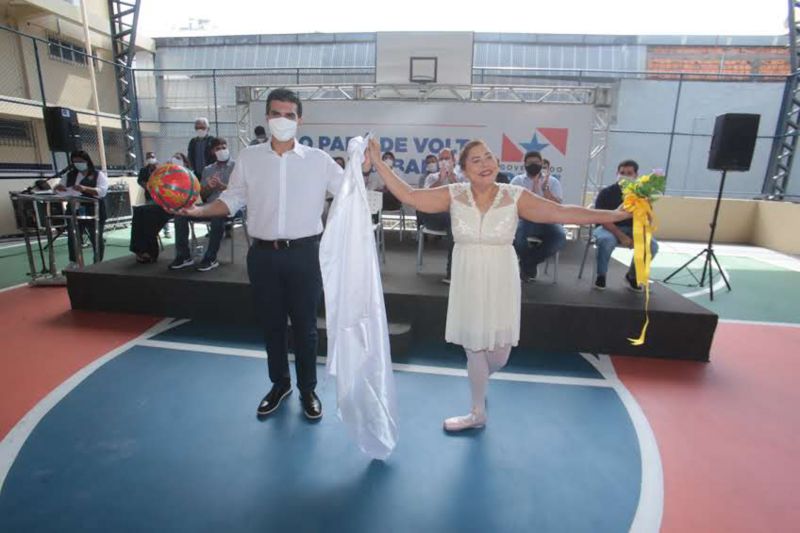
(199, 152)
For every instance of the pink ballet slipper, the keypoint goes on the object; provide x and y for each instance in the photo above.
(460, 423)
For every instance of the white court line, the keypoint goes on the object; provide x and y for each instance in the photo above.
(11, 445)
(650, 509)
(402, 367)
(13, 287)
(651, 493)
(12, 245)
(648, 512)
(717, 287)
(758, 323)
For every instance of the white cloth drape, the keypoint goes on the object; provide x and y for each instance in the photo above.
(358, 334)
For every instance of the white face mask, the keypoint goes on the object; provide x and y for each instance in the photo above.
(81, 166)
(151, 161)
(201, 132)
(223, 155)
(282, 128)
(389, 162)
(446, 165)
(431, 167)
(176, 161)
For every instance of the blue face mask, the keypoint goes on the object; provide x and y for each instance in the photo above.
(81, 166)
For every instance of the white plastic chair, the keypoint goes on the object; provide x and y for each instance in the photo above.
(421, 232)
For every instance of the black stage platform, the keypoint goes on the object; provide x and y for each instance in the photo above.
(568, 316)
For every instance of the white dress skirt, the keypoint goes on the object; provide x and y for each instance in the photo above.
(483, 310)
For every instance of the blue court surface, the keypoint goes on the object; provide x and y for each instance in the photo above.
(164, 437)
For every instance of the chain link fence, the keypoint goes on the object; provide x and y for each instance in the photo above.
(661, 119)
(38, 72)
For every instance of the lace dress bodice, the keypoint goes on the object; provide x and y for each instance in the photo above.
(497, 226)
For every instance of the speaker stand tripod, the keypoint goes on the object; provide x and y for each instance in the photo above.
(709, 257)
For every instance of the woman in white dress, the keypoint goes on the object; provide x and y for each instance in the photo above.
(483, 311)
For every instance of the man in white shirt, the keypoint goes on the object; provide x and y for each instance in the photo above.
(283, 184)
(538, 180)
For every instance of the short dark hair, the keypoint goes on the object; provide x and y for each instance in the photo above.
(217, 142)
(629, 163)
(532, 153)
(260, 130)
(148, 154)
(431, 156)
(285, 95)
(388, 153)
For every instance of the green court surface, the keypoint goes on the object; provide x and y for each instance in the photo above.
(762, 292)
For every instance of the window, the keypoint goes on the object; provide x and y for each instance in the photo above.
(16, 132)
(64, 51)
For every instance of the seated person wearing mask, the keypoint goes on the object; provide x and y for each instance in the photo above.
(431, 165)
(214, 180)
(261, 136)
(609, 236)
(441, 221)
(84, 178)
(148, 219)
(390, 203)
(537, 179)
(150, 163)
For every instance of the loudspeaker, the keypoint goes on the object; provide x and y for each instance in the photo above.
(63, 133)
(733, 142)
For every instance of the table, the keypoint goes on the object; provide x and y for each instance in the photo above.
(44, 218)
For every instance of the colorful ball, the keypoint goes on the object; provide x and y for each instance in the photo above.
(173, 187)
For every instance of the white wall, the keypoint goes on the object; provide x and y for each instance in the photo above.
(648, 106)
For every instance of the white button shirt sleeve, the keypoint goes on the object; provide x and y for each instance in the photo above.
(102, 184)
(235, 196)
(555, 188)
(335, 176)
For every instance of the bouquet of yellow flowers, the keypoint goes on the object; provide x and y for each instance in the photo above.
(638, 197)
(648, 187)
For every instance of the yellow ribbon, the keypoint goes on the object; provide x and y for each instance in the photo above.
(643, 227)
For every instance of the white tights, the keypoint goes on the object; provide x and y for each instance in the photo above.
(480, 365)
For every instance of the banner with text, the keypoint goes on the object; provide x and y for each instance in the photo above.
(413, 130)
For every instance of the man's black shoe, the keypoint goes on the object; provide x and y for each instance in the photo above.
(530, 275)
(312, 407)
(273, 398)
(632, 284)
(600, 283)
(181, 262)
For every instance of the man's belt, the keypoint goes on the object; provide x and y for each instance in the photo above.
(282, 244)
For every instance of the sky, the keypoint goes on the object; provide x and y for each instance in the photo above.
(166, 18)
